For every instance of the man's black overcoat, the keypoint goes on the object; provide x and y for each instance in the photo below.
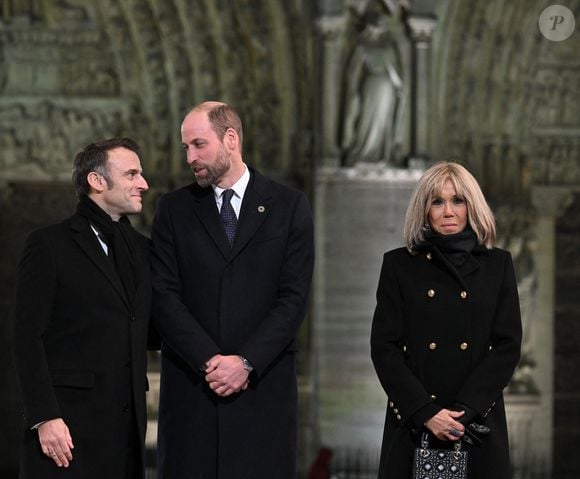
(441, 337)
(250, 300)
(80, 350)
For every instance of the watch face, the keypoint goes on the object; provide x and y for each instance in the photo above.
(246, 364)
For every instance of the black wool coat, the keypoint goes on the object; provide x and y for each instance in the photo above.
(249, 300)
(440, 336)
(80, 351)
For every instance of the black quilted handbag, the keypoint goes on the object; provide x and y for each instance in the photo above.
(439, 463)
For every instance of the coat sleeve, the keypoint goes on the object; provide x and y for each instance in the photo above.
(280, 325)
(171, 318)
(387, 342)
(488, 379)
(35, 292)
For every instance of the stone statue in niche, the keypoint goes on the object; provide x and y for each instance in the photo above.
(373, 92)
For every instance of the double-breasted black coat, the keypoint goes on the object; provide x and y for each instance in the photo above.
(441, 337)
(247, 299)
(80, 351)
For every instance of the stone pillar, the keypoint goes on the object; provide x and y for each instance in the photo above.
(359, 214)
(550, 202)
(421, 31)
(566, 337)
(331, 29)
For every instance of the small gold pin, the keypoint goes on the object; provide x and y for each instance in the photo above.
(261, 209)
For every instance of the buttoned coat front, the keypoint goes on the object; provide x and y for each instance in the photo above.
(80, 351)
(441, 337)
(248, 299)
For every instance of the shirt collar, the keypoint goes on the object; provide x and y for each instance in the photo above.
(239, 186)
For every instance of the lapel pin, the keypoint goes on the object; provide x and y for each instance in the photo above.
(261, 209)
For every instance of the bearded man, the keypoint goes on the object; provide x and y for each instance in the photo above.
(232, 265)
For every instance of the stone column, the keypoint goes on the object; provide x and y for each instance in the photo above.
(550, 202)
(421, 31)
(359, 214)
(331, 29)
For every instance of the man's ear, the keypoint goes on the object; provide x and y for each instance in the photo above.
(231, 139)
(96, 182)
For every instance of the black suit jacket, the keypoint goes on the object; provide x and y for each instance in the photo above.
(80, 350)
(249, 299)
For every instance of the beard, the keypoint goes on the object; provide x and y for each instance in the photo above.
(216, 170)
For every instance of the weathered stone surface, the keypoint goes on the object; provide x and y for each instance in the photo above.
(359, 216)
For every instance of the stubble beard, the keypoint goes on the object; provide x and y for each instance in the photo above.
(217, 170)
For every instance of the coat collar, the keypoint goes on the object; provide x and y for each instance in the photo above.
(470, 266)
(255, 209)
(84, 236)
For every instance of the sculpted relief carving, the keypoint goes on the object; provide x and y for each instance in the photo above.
(38, 141)
(556, 104)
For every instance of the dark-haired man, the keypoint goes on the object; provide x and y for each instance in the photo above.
(80, 329)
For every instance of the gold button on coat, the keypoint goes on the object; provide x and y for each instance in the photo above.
(432, 346)
(396, 411)
(392, 404)
(463, 346)
(431, 293)
(463, 294)
(399, 417)
(429, 256)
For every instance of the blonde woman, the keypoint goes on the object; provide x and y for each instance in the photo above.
(446, 331)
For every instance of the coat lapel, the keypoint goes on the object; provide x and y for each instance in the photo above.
(84, 236)
(255, 209)
(205, 208)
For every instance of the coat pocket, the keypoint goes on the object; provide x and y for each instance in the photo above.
(73, 379)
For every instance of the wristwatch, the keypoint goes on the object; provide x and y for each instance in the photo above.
(246, 364)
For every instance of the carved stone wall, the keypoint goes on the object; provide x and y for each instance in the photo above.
(500, 101)
(506, 110)
(566, 341)
(153, 60)
(73, 71)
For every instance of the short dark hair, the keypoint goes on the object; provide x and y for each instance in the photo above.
(94, 158)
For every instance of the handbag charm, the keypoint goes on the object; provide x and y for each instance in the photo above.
(439, 463)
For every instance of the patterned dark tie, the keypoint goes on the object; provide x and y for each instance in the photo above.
(228, 215)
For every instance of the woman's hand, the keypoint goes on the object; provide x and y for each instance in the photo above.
(444, 425)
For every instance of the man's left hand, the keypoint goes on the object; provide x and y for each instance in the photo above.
(226, 375)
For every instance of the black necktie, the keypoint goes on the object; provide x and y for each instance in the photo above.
(228, 215)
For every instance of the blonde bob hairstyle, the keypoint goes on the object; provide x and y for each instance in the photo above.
(430, 185)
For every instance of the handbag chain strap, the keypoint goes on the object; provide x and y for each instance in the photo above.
(425, 446)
